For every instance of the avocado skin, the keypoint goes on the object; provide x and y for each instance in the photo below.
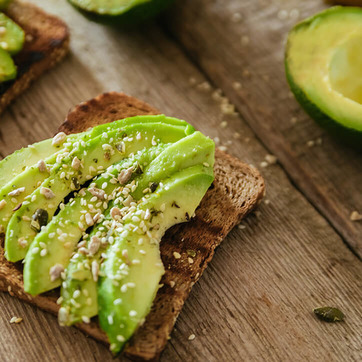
(347, 136)
(341, 133)
(131, 17)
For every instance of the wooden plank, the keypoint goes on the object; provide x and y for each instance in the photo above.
(248, 48)
(255, 299)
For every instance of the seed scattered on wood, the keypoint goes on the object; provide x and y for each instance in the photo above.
(48, 193)
(55, 272)
(16, 320)
(271, 159)
(59, 139)
(329, 314)
(191, 337)
(355, 216)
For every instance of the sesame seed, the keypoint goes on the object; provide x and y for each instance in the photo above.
(132, 313)
(117, 301)
(120, 338)
(110, 319)
(264, 164)
(172, 283)
(59, 139)
(191, 337)
(85, 319)
(124, 288)
(35, 250)
(176, 255)
(43, 252)
(310, 143)
(355, 216)
(190, 260)
(271, 159)
(2, 204)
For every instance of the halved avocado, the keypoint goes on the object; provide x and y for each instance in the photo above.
(323, 63)
(120, 12)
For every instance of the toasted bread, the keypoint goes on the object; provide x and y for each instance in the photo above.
(237, 188)
(46, 43)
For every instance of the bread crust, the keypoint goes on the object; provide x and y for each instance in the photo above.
(237, 188)
(46, 43)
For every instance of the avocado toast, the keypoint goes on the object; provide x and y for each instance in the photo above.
(46, 43)
(237, 188)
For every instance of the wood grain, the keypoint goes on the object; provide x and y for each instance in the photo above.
(250, 51)
(255, 300)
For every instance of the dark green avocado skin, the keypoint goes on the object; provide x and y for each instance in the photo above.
(130, 18)
(347, 136)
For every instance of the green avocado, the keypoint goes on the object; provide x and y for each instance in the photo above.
(94, 156)
(189, 151)
(59, 238)
(8, 70)
(12, 36)
(133, 267)
(323, 62)
(120, 12)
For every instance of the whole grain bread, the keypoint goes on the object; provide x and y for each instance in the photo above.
(237, 189)
(46, 43)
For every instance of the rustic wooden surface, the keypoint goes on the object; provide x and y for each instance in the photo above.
(255, 301)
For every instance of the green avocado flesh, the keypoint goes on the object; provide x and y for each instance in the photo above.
(323, 63)
(12, 37)
(88, 211)
(120, 12)
(8, 69)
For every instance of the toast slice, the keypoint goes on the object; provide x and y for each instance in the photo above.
(237, 188)
(46, 43)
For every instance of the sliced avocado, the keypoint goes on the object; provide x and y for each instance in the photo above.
(323, 64)
(120, 12)
(189, 151)
(17, 162)
(62, 233)
(32, 177)
(8, 69)
(133, 267)
(12, 36)
(95, 155)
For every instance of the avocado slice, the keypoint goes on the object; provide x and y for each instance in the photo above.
(12, 165)
(17, 162)
(323, 63)
(12, 36)
(62, 233)
(120, 12)
(95, 155)
(8, 70)
(189, 151)
(133, 267)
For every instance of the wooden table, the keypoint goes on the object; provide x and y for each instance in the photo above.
(299, 251)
